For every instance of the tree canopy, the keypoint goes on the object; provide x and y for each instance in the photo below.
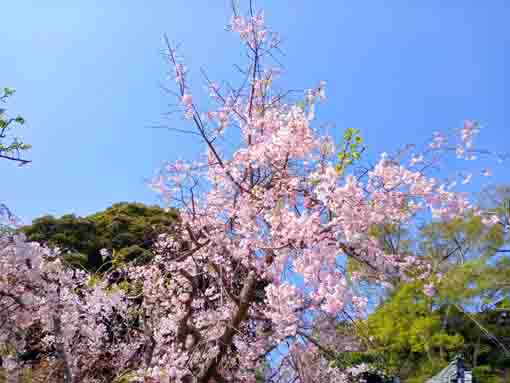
(414, 333)
(126, 230)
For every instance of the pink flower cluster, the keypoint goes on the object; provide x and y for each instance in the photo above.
(252, 30)
(38, 292)
(276, 213)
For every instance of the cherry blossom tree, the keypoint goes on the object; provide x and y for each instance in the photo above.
(266, 228)
(284, 207)
(60, 309)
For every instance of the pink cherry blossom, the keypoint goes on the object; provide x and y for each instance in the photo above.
(429, 290)
(187, 100)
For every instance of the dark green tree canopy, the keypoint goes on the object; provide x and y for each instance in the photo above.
(126, 230)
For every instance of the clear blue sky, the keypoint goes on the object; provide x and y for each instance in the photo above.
(88, 77)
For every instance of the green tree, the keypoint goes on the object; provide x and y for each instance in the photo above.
(11, 147)
(126, 230)
(407, 332)
(418, 335)
(413, 335)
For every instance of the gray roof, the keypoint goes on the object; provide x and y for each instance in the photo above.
(449, 374)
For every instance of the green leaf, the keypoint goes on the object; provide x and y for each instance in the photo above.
(301, 105)
(9, 91)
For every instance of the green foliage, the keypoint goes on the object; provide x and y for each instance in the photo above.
(131, 253)
(486, 374)
(469, 255)
(126, 230)
(446, 242)
(262, 372)
(393, 238)
(125, 377)
(412, 335)
(11, 147)
(70, 234)
(406, 331)
(352, 149)
(77, 260)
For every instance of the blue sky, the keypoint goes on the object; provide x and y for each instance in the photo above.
(88, 76)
